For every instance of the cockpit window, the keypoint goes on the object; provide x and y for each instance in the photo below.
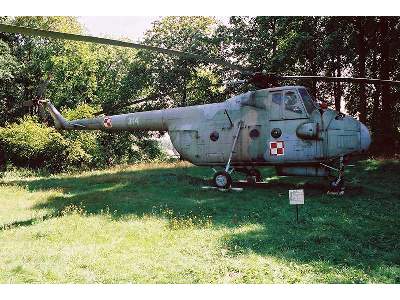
(277, 98)
(292, 102)
(309, 102)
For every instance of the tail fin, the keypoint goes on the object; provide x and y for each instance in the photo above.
(59, 120)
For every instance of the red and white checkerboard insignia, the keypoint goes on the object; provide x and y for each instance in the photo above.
(107, 122)
(277, 148)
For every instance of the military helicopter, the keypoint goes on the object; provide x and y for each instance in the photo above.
(273, 126)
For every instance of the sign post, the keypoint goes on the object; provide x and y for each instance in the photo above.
(296, 197)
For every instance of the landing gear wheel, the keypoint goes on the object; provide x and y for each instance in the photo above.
(251, 179)
(337, 186)
(222, 180)
(253, 176)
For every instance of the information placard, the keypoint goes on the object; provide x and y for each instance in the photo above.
(296, 197)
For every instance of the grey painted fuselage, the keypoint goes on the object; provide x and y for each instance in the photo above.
(278, 117)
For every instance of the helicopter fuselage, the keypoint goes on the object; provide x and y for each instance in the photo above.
(274, 131)
(280, 127)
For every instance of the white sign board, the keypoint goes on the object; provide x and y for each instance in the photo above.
(296, 197)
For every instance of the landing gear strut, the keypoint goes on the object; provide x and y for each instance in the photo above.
(337, 185)
(223, 179)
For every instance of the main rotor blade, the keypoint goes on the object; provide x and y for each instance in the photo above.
(342, 79)
(105, 41)
(127, 104)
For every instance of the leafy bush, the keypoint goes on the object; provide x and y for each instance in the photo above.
(126, 147)
(84, 140)
(105, 148)
(34, 145)
(31, 144)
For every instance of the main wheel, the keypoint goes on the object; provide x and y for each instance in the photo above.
(251, 179)
(222, 180)
(337, 185)
(255, 174)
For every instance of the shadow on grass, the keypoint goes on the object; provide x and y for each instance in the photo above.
(360, 229)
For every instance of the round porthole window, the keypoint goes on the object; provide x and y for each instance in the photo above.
(276, 132)
(214, 136)
(254, 133)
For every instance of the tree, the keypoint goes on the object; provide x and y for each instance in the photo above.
(333, 46)
(177, 81)
(34, 55)
(9, 70)
(385, 28)
(362, 51)
(84, 77)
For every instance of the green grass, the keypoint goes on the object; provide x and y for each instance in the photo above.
(154, 224)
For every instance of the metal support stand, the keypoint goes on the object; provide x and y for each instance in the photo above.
(297, 213)
(236, 136)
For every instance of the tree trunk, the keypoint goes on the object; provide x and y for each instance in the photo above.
(337, 89)
(361, 52)
(376, 94)
(387, 99)
(273, 35)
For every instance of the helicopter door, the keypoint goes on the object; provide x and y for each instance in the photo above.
(287, 112)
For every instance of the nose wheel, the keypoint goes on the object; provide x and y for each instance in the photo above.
(222, 180)
(337, 186)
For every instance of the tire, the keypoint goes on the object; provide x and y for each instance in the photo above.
(255, 173)
(222, 180)
(337, 186)
(251, 179)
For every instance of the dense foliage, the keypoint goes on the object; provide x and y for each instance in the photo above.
(86, 78)
(31, 144)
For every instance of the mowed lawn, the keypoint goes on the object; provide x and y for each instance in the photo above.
(154, 223)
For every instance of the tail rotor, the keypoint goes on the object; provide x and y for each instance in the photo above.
(35, 105)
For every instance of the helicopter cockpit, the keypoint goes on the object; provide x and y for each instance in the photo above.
(291, 102)
(309, 102)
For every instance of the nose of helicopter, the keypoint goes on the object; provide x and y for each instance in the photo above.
(365, 137)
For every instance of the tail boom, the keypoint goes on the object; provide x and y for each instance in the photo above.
(148, 120)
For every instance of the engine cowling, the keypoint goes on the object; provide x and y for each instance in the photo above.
(308, 131)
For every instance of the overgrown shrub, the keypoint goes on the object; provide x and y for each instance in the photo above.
(34, 145)
(31, 144)
(85, 140)
(126, 147)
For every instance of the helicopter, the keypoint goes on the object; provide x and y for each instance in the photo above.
(273, 126)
